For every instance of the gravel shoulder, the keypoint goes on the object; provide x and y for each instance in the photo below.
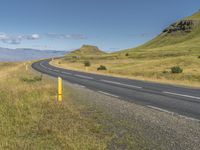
(132, 126)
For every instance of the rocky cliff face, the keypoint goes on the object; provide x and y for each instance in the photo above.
(185, 26)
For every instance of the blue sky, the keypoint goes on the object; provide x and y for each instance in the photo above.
(67, 24)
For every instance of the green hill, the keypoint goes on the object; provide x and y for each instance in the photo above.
(87, 50)
(195, 16)
(177, 45)
(180, 38)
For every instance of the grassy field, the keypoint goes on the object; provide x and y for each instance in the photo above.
(143, 69)
(151, 61)
(30, 117)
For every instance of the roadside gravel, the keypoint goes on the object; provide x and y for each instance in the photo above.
(134, 126)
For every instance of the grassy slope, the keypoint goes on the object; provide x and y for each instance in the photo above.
(153, 60)
(87, 50)
(165, 39)
(31, 118)
(195, 16)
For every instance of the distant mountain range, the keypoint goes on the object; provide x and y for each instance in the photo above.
(24, 54)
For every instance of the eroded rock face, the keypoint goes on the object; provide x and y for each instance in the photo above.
(182, 26)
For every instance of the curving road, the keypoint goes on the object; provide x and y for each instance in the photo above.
(168, 98)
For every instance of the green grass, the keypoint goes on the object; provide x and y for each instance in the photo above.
(85, 50)
(152, 60)
(32, 79)
(195, 16)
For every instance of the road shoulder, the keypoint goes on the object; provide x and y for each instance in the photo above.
(145, 126)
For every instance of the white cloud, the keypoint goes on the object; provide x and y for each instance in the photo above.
(17, 39)
(3, 36)
(33, 37)
(66, 36)
(13, 39)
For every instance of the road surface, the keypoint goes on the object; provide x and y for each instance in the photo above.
(168, 98)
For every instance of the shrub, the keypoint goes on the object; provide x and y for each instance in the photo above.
(176, 69)
(101, 67)
(32, 79)
(75, 57)
(127, 54)
(199, 57)
(165, 72)
(87, 63)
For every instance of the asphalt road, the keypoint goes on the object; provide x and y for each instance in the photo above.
(168, 98)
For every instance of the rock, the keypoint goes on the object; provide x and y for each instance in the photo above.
(185, 26)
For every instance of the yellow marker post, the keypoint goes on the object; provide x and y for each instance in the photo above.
(60, 89)
(26, 67)
(86, 68)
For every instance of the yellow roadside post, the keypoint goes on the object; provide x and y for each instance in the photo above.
(26, 67)
(60, 89)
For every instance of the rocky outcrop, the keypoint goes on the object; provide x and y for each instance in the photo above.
(181, 26)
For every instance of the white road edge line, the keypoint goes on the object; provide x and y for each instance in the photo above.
(80, 85)
(172, 113)
(56, 70)
(85, 77)
(66, 73)
(189, 118)
(160, 109)
(48, 68)
(108, 94)
(118, 83)
(188, 96)
(43, 66)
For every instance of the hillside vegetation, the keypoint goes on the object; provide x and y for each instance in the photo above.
(180, 38)
(85, 50)
(177, 45)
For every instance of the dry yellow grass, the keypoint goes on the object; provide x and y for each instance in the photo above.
(30, 118)
(157, 70)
